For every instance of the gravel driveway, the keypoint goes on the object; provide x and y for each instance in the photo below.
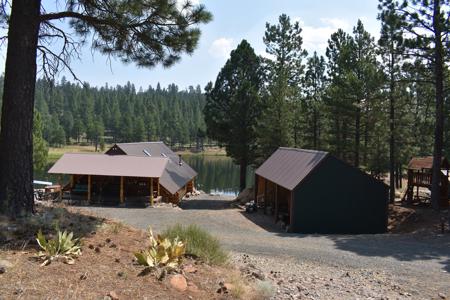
(422, 264)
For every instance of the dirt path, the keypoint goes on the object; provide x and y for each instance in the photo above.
(420, 265)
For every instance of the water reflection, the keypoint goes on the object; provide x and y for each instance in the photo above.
(216, 174)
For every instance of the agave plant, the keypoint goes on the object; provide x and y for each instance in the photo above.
(162, 252)
(64, 247)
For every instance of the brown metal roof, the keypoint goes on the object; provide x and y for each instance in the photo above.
(108, 165)
(175, 176)
(287, 167)
(426, 162)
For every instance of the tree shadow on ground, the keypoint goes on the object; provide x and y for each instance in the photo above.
(405, 247)
(402, 247)
(20, 234)
(207, 204)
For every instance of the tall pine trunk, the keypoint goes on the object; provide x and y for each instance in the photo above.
(16, 141)
(243, 175)
(357, 136)
(439, 86)
(391, 134)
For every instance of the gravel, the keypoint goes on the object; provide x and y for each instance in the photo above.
(385, 266)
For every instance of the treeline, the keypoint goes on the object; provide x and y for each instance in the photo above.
(371, 103)
(74, 113)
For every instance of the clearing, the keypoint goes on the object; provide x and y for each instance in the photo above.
(392, 265)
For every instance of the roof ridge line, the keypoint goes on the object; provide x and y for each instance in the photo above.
(303, 150)
(153, 142)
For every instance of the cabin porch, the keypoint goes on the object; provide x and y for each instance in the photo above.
(113, 190)
(274, 199)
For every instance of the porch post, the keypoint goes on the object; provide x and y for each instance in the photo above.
(265, 195)
(89, 187)
(276, 203)
(291, 211)
(256, 190)
(157, 181)
(121, 189)
(72, 181)
(151, 191)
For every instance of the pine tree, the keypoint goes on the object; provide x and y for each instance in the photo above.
(314, 89)
(285, 70)
(428, 24)
(391, 51)
(233, 107)
(116, 28)
(40, 148)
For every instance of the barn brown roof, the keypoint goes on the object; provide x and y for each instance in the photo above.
(287, 167)
(426, 162)
(108, 165)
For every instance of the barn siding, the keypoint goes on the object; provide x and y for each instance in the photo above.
(337, 198)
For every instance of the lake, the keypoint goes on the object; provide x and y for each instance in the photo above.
(216, 174)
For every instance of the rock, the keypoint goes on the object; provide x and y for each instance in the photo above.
(228, 286)
(442, 296)
(2, 270)
(121, 274)
(18, 291)
(113, 295)
(83, 276)
(91, 246)
(178, 282)
(192, 288)
(97, 249)
(108, 240)
(190, 269)
(113, 245)
(258, 275)
(117, 260)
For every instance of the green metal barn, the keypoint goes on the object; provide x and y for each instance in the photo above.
(315, 192)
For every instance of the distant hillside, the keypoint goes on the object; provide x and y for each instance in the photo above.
(75, 113)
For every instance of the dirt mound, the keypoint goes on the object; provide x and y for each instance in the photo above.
(416, 219)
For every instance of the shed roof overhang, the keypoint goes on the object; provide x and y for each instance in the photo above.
(288, 167)
(109, 165)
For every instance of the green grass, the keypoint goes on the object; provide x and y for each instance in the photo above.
(199, 243)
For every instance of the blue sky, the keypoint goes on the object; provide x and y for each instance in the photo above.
(233, 21)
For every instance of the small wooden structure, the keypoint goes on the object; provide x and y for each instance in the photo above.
(177, 178)
(420, 174)
(314, 192)
(111, 177)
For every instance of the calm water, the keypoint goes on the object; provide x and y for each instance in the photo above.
(216, 174)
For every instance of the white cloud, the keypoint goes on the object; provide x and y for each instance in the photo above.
(336, 23)
(315, 38)
(221, 47)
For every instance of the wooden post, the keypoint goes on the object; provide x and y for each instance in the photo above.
(72, 181)
(255, 187)
(89, 187)
(151, 191)
(121, 189)
(291, 211)
(276, 203)
(265, 195)
(157, 182)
